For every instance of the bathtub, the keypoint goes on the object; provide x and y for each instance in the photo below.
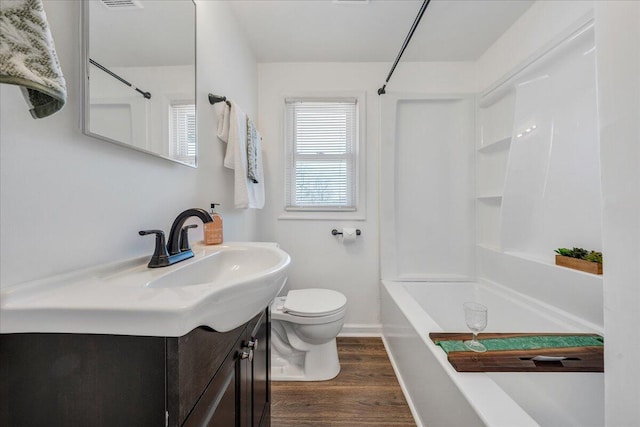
(440, 396)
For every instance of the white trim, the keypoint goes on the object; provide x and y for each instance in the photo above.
(361, 330)
(408, 277)
(323, 216)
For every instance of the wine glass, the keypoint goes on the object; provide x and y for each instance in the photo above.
(476, 317)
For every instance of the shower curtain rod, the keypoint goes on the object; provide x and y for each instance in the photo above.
(147, 95)
(382, 91)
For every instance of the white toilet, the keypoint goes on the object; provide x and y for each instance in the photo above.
(304, 326)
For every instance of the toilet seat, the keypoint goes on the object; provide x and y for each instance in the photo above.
(313, 302)
(309, 307)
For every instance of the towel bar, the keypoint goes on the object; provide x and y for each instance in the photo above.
(214, 99)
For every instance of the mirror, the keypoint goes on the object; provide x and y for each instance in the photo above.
(139, 75)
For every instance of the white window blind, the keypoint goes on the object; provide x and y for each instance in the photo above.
(322, 147)
(183, 133)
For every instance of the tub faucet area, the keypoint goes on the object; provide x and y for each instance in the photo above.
(177, 248)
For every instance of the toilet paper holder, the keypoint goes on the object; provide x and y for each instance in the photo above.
(336, 232)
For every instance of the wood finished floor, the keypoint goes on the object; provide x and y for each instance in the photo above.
(365, 393)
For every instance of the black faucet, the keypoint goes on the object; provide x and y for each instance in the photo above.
(177, 249)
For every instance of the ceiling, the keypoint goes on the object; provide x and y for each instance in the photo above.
(157, 33)
(372, 31)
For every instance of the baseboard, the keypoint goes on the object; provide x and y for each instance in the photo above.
(360, 330)
(412, 407)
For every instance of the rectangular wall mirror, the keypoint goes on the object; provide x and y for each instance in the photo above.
(140, 75)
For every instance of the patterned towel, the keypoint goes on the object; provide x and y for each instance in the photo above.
(253, 147)
(28, 57)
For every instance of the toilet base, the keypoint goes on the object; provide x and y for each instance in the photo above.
(319, 363)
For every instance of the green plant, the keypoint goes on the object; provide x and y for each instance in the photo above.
(564, 252)
(594, 256)
(581, 253)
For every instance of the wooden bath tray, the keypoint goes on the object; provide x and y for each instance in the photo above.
(578, 359)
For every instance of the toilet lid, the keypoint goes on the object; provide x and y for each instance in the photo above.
(313, 302)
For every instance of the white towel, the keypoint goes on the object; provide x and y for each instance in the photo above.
(246, 194)
(29, 56)
(222, 115)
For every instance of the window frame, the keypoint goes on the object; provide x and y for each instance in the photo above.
(172, 145)
(358, 213)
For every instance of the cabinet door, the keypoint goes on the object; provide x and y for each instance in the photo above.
(230, 398)
(260, 372)
(244, 380)
(219, 405)
(253, 374)
(192, 361)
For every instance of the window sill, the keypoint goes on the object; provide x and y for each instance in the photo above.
(318, 215)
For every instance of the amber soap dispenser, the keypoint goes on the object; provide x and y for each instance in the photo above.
(213, 229)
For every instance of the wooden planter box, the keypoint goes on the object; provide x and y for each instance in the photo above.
(579, 264)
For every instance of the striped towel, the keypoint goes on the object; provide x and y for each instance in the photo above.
(28, 57)
(253, 149)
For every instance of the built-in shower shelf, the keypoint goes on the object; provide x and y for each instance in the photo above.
(490, 198)
(546, 261)
(535, 259)
(489, 247)
(495, 145)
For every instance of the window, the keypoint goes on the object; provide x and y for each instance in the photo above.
(182, 133)
(321, 137)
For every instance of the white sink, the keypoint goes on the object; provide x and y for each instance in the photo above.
(223, 268)
(222, 287)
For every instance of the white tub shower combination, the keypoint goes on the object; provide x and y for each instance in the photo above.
(448, 237)
(440, 396)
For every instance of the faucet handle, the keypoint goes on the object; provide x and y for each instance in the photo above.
(160, 257)
(156, 232)
(184, 237)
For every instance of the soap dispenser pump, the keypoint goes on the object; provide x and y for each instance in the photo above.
(213, 229)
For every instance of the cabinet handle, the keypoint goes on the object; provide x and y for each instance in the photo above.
(253, 343)
(247, 355)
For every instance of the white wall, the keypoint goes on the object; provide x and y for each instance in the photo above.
(226, 66)
(318, 258)
(618, 57)
(70, 201)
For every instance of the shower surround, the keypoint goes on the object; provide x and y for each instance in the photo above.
(536, 187)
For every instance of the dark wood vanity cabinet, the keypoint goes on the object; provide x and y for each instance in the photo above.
(204, 378)
(238, 394)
